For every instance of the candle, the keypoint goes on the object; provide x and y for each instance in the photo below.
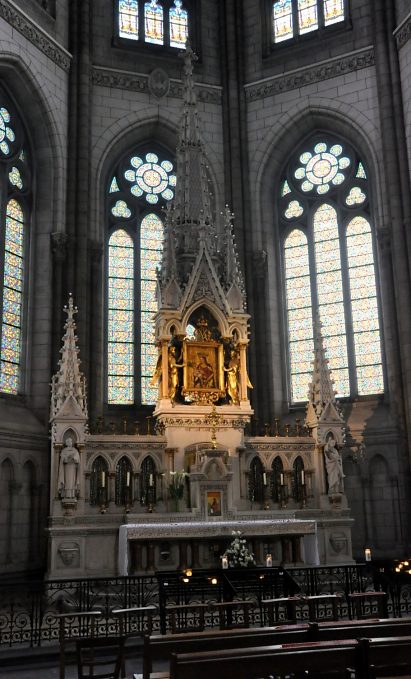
(281, 479)
(103, 479)
(264, 478)
(302, 477)
(224, 562)
(150, 480)
(128, 479)
(367, 553)
(269, 561)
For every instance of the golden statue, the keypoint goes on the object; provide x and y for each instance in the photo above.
(233, 377)
(173, 367)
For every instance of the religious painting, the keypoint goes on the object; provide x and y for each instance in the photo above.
(203, 371)
(213, 503)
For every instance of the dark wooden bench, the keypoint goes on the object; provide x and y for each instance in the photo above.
(327, 659)
(282, 609)
(157, 648)
(319, 604)
(385, 657)
(361, 604)
(344, 629)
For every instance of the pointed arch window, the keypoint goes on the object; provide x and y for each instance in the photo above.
(15, 187)
(153, 21)
(137, 192)
(256, 481)
(292, 18)
(329, 266)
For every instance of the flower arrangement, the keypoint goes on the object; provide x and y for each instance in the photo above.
(176, 484)
(238, 554)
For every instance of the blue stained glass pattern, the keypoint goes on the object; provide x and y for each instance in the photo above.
(283, 20)
(151, 243)
(178, 25)
(153, 22)
(363, 293)
(114, 186)
(15, 178)
(10, 354)
(307, 16)
(120, 327)
(299, 313)
(128, 19)
(330, 295)
(333, 11)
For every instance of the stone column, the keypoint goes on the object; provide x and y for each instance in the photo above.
(150, 556)
(182, 547)
(136, 556)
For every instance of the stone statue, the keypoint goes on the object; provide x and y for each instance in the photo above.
(68, 479)
(233, 377)
(173, 367)
(333, 464)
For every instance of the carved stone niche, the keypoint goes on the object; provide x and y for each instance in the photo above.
(69, 553)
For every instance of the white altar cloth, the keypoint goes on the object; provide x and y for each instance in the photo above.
(206, 529)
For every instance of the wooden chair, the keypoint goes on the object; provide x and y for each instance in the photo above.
(104, 655)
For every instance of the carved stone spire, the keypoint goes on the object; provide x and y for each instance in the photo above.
(192, 216)
(323, 413)
(69, 381)
(232, 276)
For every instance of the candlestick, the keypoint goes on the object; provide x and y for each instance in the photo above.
(269, 561)
(367, 553)
(302, 477)
(150, 481)
(224, 562)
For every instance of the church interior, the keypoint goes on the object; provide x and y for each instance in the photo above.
(205, 294)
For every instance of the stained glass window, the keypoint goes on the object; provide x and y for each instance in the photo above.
(178, 25)
(364, 307)
(134, 254)
(333, 11)
(329, 267)
(299, 305)
(283, 20)
(128, 19)
(151, 240)
(153, 22)
(120, 319)
(298, 17)
(10, 356)
(307, 16)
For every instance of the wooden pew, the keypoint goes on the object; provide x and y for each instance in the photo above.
(385, 657)
(161, 647)
(327, 658)
(344, 629)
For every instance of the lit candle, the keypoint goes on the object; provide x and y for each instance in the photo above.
(224, 562)
(367, 553)
(269, 561)
(103, 479)
(128, 479)
(150, 481)
(264, 478)
(281, 479)
(302, 477)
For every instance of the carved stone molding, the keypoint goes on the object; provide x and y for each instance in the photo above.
(312, 74)
(35, 35)
(404, 33)
(199, 423)
(141, 83)
(159, 83)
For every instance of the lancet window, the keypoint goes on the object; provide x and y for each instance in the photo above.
(291, 18)
(138, 191)
(99, 481)
(256, 481)
(148, 482)
(154, 22)
(123, 482)
(298, 480)
(15, 187)
(329, 268)
(277, 479)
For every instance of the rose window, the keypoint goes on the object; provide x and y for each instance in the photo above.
(151, 178)
(323, 168)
